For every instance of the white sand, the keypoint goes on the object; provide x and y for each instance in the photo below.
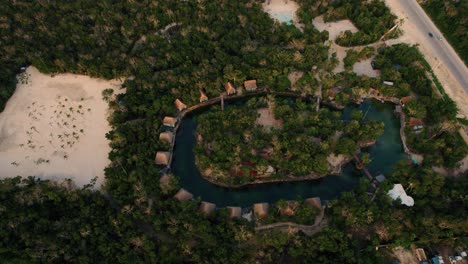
(40, 128)
(282, 10)
(364, 67)
(334, 28)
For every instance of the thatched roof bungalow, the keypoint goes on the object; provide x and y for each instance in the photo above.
(164, 181)
(166, 136)
(315, 202)
(183, 195)
(415, 122)
(207, 208)
(250, 85)
(203, 97)
(234, 212)
(405, 100)
(162, 158)
(179, 105)
(289, 209)
(261, 209)
(169, 121)
(230, 89)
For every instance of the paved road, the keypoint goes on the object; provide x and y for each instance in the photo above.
(441, 49)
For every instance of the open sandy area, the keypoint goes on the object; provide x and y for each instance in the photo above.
(412, 35)
(54, 128)
(282, 10)
(334, 28)
(267, 118)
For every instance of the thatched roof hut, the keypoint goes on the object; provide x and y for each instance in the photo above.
(230, 89)
(315, 201)
(250, 85)
(415, 122)
(166, 136)
(405, 100)
(162, 157)
(234, 212)
(289, 209)
(179, 105)
(261, 209)
(164, 181)
(169, 121)
(203, 97)
(207, 208)
(183, 195)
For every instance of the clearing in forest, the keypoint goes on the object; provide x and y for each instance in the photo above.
(54, 127)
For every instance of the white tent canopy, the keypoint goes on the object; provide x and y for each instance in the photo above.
(399, 193)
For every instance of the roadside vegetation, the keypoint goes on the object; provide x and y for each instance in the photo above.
(450, 18)
(372, 18)
(133, 220)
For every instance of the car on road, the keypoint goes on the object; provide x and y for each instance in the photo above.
(430, 35)
(439, 37)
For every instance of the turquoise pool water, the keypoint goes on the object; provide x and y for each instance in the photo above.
(386, 152)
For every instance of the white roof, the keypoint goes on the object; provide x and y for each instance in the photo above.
(399, 193)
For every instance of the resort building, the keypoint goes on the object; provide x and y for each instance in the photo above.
(164, 181)
(179, 105)
(207, 208)
(374, 92)
(234, 212)
(230, 89)
(250, 85)
(169, 121)
(289, 209)
(315, 202)
(203, 97)
(405, 100)
(182, 195)
(166, 136)
(415, 123)
(162, 158)
(260, 209)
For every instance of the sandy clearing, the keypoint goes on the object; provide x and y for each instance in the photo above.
(283, 11)
(364, 67)
(267, 118)
(405, 256)
(54, 128)
(334, 28)
(412, 35)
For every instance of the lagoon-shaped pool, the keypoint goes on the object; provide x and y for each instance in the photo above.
(385, 153)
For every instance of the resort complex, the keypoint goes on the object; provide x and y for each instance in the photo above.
(234, 131)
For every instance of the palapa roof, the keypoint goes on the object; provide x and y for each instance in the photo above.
(230, 89)
(234, 212)
(179, 105)
(169, 120)
(166, 136)
(164, 180)
(314, 201)
(250, 84)
(290, 208)
(261, 209)
(406, 99)
(415, 121)
(207, 208)
(183, 195)
(162, 157)
(203, 96)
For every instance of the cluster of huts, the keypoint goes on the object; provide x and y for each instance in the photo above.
(260, 210)
(163, 158)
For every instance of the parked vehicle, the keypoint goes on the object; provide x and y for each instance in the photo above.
(430, 35)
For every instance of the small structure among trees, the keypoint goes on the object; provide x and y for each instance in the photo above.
(261, 209)
(166, 136)
(183, 195)
(179, 105)
(162, 158)
(234, 212)
(230, 89)
(169, 121)
(250, 85)
(207, 208)
(405, 100)
(203, 97)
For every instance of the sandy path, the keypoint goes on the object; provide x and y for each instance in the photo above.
(334, 28)
(54, 128)
(413, 34)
